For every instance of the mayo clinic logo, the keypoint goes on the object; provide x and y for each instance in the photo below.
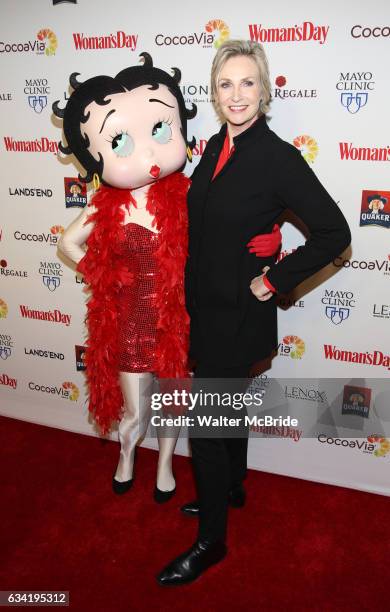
(37, 91)
(51, 272)
(354, 88)
(338, 305)
(6, 346)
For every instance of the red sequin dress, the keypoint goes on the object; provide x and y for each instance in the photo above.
(137, 310)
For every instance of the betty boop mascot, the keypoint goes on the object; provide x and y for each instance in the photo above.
(130, 135)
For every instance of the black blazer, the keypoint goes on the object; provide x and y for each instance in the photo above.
(264, 176)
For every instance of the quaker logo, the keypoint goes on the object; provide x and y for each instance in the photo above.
(51, 272)
(381, 311)
(381, 265)
(283, 92)
(37, 91)
(5, 271)
(307, 146)
(375, 208)
(5, 97)
(44, 353)
(356, 400)
(75, 193)
(196, 94)
(354, 88)
(3, 309)
(80, 353)
(6, 346)
(338, 305)
(50, 238)
(32, 192)
(291, 346)
(7, 381)
(214, 34)
(305, 393)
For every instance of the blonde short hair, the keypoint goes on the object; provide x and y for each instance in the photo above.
(249, 48)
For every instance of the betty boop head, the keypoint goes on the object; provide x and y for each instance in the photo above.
(98, 92)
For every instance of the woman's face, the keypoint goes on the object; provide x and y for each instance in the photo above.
(239, 91)
(138, 134)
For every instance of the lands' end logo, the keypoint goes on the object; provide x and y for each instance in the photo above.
(68, 390)
(375, 208)
(215, 33)
(307, 146)
(302, 33)
(292, 346)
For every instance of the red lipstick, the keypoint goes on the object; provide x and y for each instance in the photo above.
(154, 171)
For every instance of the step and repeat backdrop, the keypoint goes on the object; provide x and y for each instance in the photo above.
(330, 79)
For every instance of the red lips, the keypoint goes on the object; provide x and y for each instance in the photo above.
(154, 171)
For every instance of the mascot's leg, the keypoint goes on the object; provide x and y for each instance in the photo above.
(133, 426)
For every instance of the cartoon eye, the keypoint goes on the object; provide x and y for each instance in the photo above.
(122, 145)
(162, 132)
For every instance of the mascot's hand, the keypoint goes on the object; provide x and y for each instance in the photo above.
(265, 245)
(259, 289)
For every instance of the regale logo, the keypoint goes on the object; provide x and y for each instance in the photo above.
(31, 192)
(54, 316)
(68, 390)
(356, 400)
(45, 44)
(215, 33)
(338, 305)
(39, 145)
(6, 346)
(7, 381)
(282, 92)
(373, 358)
(349, 152)
(75, 193)
(5, 271)
(354, 87)
(375, 208)
(302, 33)
(51, 272)
(44, 353)
(50, 238)
(118, 40)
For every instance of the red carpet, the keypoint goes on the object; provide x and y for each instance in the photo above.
(295, 546)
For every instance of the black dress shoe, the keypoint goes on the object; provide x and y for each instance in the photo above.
(190, 565)
(121, 487)
(163, 496)
(237, 497)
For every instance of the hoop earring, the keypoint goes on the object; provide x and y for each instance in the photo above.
(189, 154)
(96, 181)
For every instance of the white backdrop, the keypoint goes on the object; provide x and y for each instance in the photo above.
(329, 69)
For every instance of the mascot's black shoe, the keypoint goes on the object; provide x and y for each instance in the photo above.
(237, 497)
(162, 496)
(121, 487)
(190, 565)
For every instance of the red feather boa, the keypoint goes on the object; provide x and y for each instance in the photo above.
(106, 274)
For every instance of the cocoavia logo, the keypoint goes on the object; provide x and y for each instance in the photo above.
(68, 390)
(3, 310)
(307, 146)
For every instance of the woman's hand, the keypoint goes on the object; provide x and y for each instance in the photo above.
(258, 288)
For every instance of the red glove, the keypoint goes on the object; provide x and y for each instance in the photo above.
(265, 245)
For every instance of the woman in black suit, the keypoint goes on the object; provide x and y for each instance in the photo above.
(246, 178)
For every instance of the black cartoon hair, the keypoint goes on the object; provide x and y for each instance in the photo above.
(98, 88)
